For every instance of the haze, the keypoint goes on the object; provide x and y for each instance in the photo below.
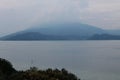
(18, 15)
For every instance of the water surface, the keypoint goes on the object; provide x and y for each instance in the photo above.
(90, 60)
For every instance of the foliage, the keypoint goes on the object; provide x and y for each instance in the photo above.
(33, 73)
(49, 74)
(6, 69)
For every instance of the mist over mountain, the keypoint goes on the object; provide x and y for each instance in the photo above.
(25, 36)
(104, 37)
(113, 32)
(62, 31)
(32, 36)
(67, 29)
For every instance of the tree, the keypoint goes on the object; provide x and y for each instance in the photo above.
(7, 72)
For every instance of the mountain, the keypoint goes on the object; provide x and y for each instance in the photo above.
(104, 37)
(113, 32)
(72, 30)
(32, 36)
(25, 36)
(56, 31)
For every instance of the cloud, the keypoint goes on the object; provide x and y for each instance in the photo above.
(46, 8)
(59, 10)
(7, 4)
(20, 14)
(102, 13)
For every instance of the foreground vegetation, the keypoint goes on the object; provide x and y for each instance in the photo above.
(7, 72)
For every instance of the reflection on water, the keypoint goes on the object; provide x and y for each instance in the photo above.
(91, 60)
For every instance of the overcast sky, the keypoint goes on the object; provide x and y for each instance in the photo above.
(17, 15)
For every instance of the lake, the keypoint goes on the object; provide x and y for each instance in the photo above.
(89, 60)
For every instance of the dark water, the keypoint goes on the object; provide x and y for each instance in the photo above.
(90, 60)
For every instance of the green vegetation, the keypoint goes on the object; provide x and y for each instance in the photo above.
(7, 72)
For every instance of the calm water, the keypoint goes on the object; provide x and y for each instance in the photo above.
(90, 60)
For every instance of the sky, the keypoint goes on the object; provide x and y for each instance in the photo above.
(18, 15)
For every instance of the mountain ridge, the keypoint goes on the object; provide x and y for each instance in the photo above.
(67, 29)
(104, 37)
(63, 31)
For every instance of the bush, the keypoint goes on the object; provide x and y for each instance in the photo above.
(7, 72)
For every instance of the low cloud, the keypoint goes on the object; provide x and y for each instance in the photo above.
(20, 14)
(102, 13)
